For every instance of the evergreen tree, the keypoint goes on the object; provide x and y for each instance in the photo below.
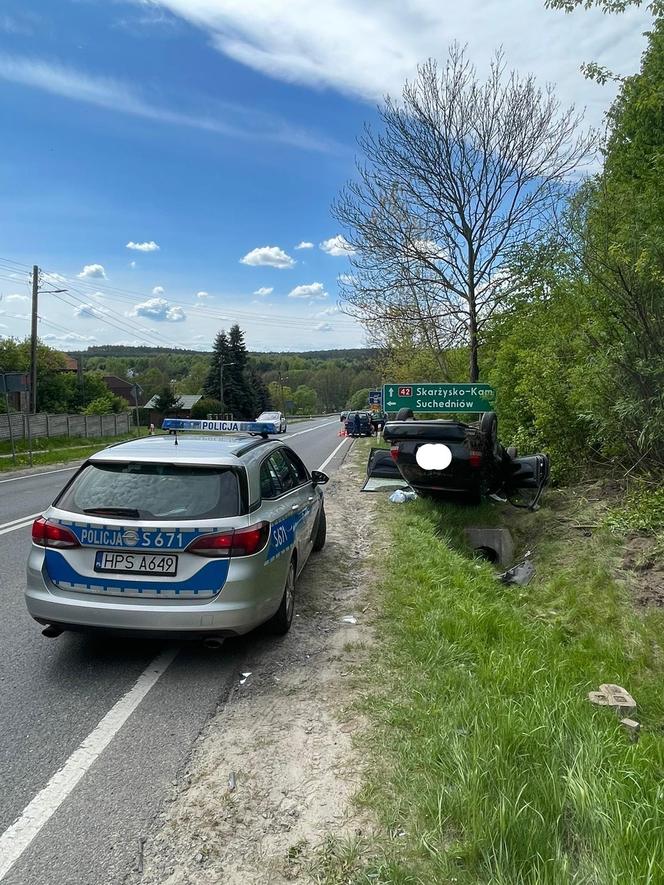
(167, 401)
(220, 356)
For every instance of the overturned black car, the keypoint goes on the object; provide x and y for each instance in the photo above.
(459, 461)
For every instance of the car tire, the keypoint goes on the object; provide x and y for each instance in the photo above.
(321, 531)
(405, 415)
(280, 622)
(489, 427)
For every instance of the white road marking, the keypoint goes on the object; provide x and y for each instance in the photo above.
(21, 523)
(43, 473)
(327, 460)
(38, 812)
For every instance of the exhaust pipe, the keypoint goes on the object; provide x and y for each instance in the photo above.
(51, 631)
(213, 642)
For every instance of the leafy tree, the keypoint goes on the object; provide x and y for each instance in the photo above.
(279, 395)
(205, 407)
(360, 399)
(306, 400)
(106, 405)
(461, 175)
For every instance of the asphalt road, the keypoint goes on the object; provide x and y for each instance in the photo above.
(55, 693)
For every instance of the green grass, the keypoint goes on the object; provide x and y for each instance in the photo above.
(486, 762)
(56, 450)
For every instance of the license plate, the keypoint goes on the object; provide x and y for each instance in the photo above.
(136, 563)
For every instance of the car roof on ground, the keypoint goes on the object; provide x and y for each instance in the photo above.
(191, 449)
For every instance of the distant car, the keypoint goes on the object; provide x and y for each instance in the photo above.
(361, 427)
(451, 460)
(277, 418)
(200, 539)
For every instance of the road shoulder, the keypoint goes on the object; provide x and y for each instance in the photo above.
(273, 774)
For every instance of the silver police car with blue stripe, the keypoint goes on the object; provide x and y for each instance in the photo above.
(199, 536)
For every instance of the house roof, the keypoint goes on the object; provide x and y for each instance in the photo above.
(115, 381)
(71, 363)
(187, 401)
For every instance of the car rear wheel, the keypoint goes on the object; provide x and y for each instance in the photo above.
(321, 531)
(281, 620)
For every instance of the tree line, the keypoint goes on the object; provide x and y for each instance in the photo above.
(296, 383)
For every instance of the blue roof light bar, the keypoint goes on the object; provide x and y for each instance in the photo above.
(213, 426)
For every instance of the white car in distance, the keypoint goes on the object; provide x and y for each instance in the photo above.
(276, 418)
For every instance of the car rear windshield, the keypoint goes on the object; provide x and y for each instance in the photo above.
(155, 491)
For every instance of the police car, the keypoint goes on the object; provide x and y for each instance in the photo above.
(201, 536)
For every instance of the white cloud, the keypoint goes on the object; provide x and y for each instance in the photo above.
(337, 246)
(93, 271)
(268, 256)
(132, 264)
(158, 309)
(149, 246)
(203, 295)
(264, 290)
(369, 48)
(328, 312)
(158, 290)
(16, 297)
(222, 118)
(68, 338)
(323, 327)
(312, 290)
(305, 245)
(57, 277)
(88, 311)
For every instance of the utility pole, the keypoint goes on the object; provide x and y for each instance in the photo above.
(33, 340)
(32, 405)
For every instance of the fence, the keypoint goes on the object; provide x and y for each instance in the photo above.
(63, 425)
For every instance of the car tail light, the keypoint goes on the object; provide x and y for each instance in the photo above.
(394, 452)
(234, 542)
(475, 459)
(51, 534)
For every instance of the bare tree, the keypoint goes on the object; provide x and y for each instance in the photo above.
(461, 175)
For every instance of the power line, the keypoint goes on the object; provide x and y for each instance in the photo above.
(129, 296)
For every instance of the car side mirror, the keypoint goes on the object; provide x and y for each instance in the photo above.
(319, 478)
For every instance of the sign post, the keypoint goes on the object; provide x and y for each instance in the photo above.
(425, 396)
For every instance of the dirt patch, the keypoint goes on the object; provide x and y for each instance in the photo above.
(285, 733)
(643, 563)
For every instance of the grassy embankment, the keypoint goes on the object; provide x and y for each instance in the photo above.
(485, 761)
(56, 450)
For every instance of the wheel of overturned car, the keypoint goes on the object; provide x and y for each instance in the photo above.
(489, 429)
(405, 415)
(321, 531)
(281, 620)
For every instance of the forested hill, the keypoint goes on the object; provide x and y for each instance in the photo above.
(355, 355)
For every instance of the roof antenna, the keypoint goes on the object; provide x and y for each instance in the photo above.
(176, 437)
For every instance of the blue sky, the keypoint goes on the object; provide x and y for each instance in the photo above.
(212, 136)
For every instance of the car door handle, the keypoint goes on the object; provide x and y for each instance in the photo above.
(295, 507)
(310, 499)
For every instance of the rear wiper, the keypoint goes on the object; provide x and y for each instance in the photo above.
(114, 511)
